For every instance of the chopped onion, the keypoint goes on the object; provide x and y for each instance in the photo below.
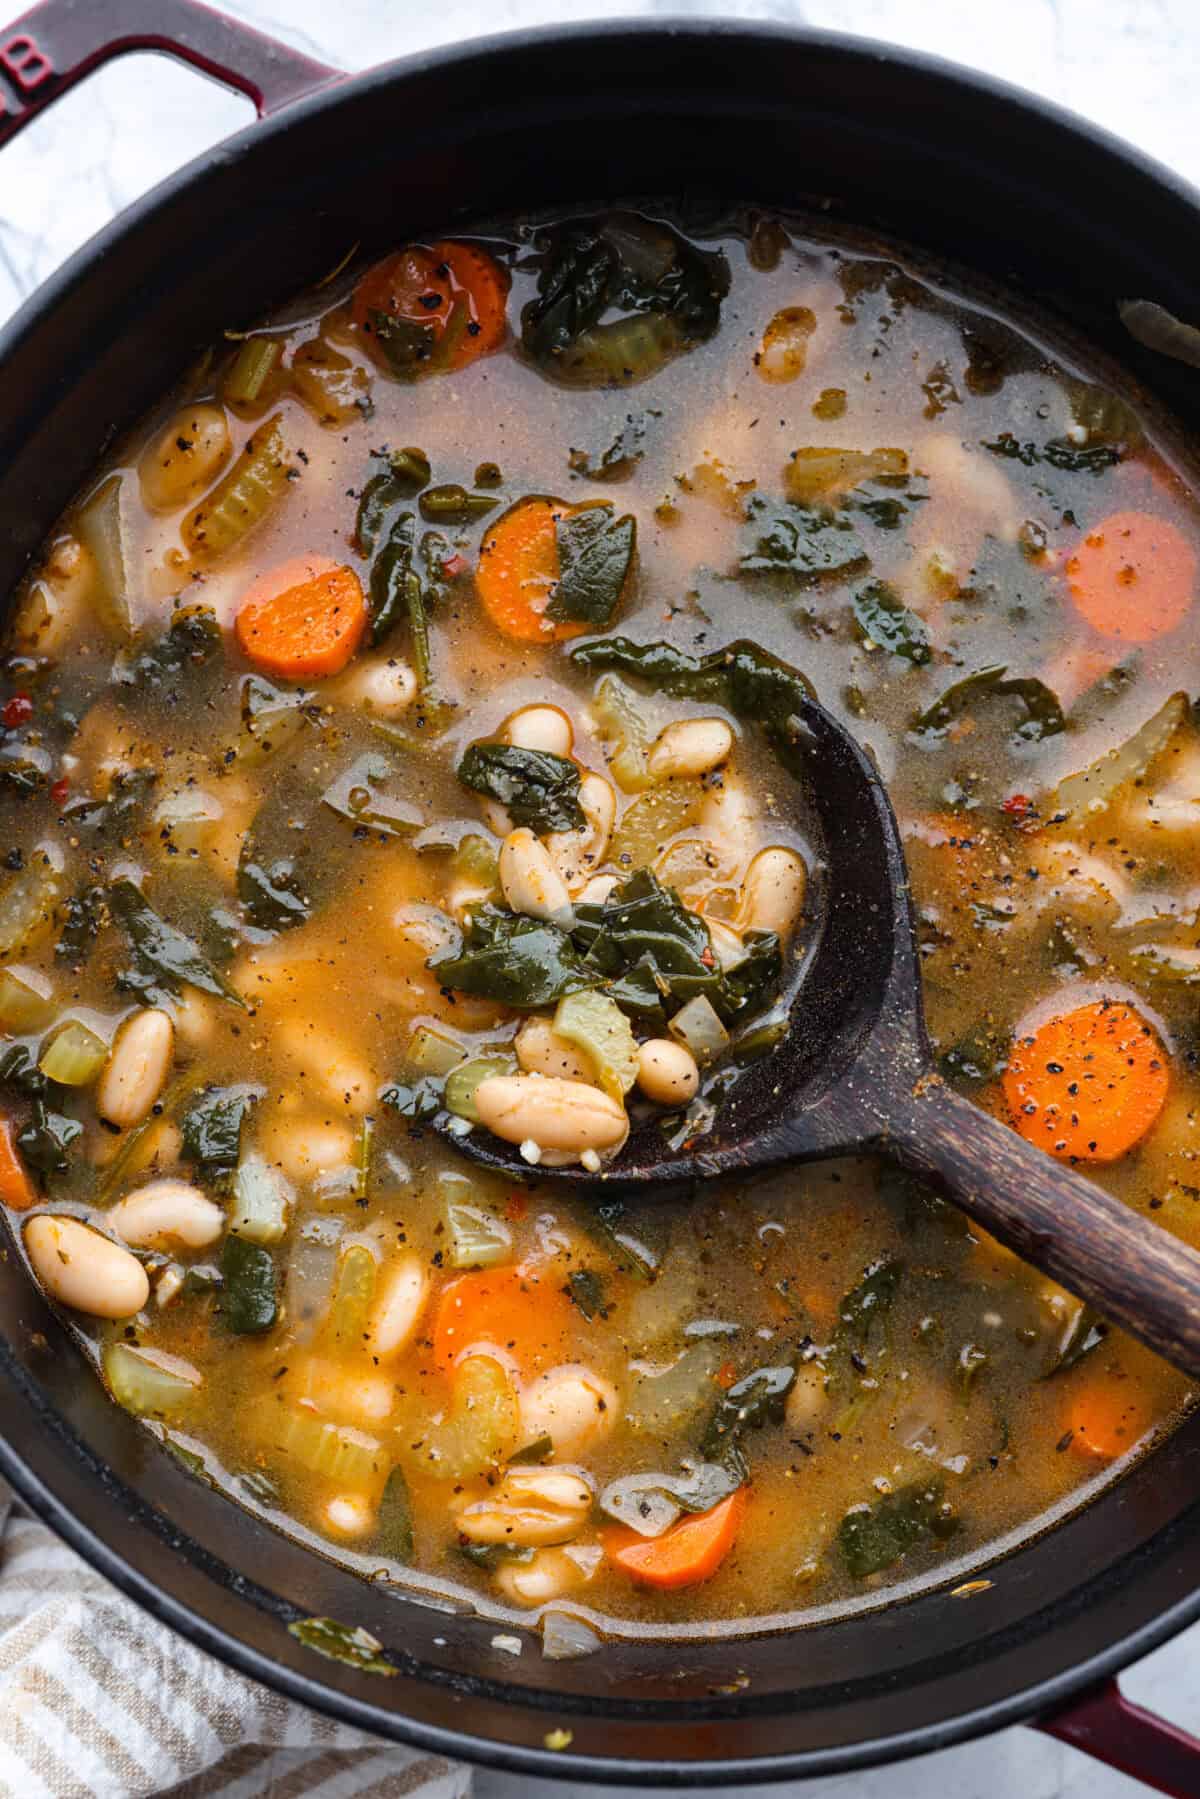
(566, 1637)
(638, 1500)
(261, 1198)
(1096, 786)
(27, 902)
(698, 1028)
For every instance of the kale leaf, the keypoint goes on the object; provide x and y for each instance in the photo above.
(538, 789)
(512, 959)
(802, 545)
(212, 1127)
(192, 639)
(46, 1140)
(272, 893)
(401, 476)
(757, 1399)
(883, 619)
(595, 554)
(873, 1537)
(249, 1287)
(1044, 716)
(84, 914)
(1073, 459)
(165, 958)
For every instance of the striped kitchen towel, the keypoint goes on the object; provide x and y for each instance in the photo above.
(97, 1701)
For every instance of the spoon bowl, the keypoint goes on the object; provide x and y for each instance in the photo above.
(855, 1075)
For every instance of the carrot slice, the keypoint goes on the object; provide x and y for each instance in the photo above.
(303, 620)
(512, 1310)
(1087, 1085)
(446, 304)
(518, 570)
(16, 1188)
(1133, 577)
(1106, 1418)
(691, 1551)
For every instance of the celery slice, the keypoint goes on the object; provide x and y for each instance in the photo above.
(620, 722)
(475, 860)
(700, 1030)
(100, 527)
(148, 1382)
(339, 1452)
(353, 1290)
(242, 499)
(596, 1024)
(433, 1052)
(250, 368)
(652, 819)
(28, 901)
(261, 1199)
(481, 1426)
(462, 1081)
(73, 1055)
(26, 1001)
(478, 1239)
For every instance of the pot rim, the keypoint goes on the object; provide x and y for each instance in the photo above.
(38, 1491)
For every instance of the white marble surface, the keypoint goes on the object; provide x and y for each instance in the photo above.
(1130, 64)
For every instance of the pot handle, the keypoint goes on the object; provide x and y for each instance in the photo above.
(55, 44)
(1126, 1736)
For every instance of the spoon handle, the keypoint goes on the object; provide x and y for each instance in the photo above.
(1133, 1272)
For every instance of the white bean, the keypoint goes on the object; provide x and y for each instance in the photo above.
(572, 1406)
(548, 1574)
(398, 1306)
(690, 746)
(597, 890)
(83, 1270)
(306, 1147)
(539, 728)
(773, 892)
(578, 854)
(349, 1515)
(667, 1072)
(530, 882)
(384, 686)
(137, 1068)
(186, 457)
(167, 1213)
(553, 1114)
(540, 1050)
(530, 1507)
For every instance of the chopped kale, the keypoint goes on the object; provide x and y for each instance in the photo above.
(515, 960)
(250, 1287)
(537, 788)
(212, 1126)
(595, 555)
(874, 1537)
(884, 620)
(1044, 715)
(165, 959)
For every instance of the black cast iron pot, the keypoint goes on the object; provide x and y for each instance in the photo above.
(972, 172)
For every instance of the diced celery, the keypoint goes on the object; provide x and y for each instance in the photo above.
(699, 1029)
(332, 386)
(100, 527)
(596, 1024)
(480, 1427)
(26, 1000)
(462, 1081)
(621, 722)
(73, 1055)
(478, 1239)
(339, 1452)
(148, 1382)
(350, 1302)
(242, 499)
(27, 902)
(1094, 788)
(652, 819)
(475, 860)
(250, 369)
(813, 475)
(261, 1200)
(433, 1052)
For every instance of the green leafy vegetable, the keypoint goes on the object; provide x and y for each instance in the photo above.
(804, 546)
(586, 1289)
(451, 504)
(595, 555)
(345, 1643)
(401, 476)
(212, 1126)
(416, 1101)
(639, 1240)
(539, 790)
(250, 1290)
(166, 959)
(394, 1522)
(628, 265)
(1044, 715)
(1074, 459)
(884, 619)
(618, 461)
(872, 1537)
(45, 1142)
(864, 1310)
(757, 1399)
(514, 960)
(192, 639)
(273, 894)
(84, 913)
(540, 1450)
(359, 795)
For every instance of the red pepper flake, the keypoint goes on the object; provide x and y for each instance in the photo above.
(17, 712)
(515, 1207)
(60, 791)
(708, 959)
(454, 566)
(726, 1375)
(1018, 806)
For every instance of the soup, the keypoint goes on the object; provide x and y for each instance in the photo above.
(392, 748)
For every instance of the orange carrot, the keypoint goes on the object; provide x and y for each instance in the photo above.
(518, 570)
(691, 1551)
(1087, 1085)
(1107, 1417)
(16, 1188)
(1133, 577)
(444, 303)
(303, 620)
(512, 1310)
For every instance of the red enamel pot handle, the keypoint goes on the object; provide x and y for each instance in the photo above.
(1126, 1736)
(54, 45)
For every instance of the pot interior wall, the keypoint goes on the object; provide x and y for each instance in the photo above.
(702, 116)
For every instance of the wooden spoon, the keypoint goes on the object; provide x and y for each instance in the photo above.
(855, 1075)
